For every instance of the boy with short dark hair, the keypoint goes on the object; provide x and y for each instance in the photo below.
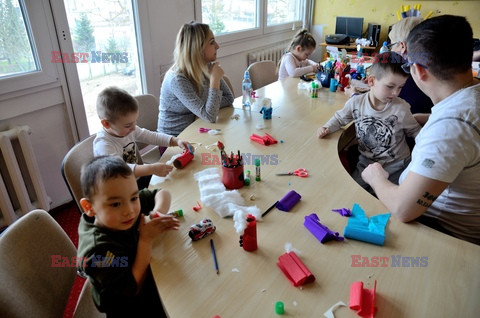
(441, 186)
(115, 240)
(382, 120)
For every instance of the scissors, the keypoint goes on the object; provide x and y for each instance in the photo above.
(300, 172)
(208, 130)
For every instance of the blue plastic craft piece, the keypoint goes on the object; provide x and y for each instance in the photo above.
(320, 231)
(360, 228)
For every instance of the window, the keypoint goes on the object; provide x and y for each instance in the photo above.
(17, 52)
(105, 40)
(283, 11)
(236, 19)
(229, 16)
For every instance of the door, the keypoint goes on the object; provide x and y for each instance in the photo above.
(99, 48)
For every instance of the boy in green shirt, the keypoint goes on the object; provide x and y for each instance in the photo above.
(116, 242)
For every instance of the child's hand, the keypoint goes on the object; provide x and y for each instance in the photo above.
(374, 171)
(322, 132)
(160, 169)
(185, 145)
(157, 225)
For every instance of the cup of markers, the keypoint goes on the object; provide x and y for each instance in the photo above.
(232, 169)
(232, 172)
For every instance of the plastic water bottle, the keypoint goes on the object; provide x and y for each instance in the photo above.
(246, 89)
(384, 48)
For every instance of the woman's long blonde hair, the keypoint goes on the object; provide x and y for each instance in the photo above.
(188, 54)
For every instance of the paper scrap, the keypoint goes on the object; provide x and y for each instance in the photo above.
(343, 211)
(329, 312)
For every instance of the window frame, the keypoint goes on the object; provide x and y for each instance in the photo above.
(262, 29)
(36, 24)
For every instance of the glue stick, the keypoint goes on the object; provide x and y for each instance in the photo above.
(176, 213)
(257, 170)
(246, 180)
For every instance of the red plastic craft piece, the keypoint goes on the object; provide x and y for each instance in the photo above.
(363, 300)
(249, 237)
(197, 207)
(183, 160)
(265, 140)
(294, 269)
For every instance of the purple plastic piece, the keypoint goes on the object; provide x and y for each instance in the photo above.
(288, 201)
(343, 212)
(320, 231)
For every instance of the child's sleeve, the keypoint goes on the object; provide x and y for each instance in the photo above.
(110, 271)
(293, 70)
(103, 147)
(341, 117)
(147, 200)
(410, 124)
(152, 137)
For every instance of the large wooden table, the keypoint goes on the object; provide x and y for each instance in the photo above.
(250, 283)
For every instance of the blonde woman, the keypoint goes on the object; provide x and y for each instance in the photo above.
(420, 104)
(194, 86)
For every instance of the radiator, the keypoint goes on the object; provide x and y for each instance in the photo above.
(21, 186)
(272, 53)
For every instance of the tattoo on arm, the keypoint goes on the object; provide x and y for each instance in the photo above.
(426, 200)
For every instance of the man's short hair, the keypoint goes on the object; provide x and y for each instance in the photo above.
(388, 63)
(101, 169)
(443, 44)
(114, 102)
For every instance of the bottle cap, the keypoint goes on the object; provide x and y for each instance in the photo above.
(246, 181)
(246, 75)
(279, 308)
(385, 43)
(257, 162)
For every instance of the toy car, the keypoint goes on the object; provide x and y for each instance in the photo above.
(202, 229)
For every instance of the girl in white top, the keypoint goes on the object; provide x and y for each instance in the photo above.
(295, 62)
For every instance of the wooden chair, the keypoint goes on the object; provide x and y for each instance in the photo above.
(262, 73)
(73, 161)
(148, 119)
(229, 83)
(32, 285)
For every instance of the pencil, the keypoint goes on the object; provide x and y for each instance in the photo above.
(269, 209)
(214, 255)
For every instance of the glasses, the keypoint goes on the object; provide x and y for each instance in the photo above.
(406, 66)
(392, 44)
